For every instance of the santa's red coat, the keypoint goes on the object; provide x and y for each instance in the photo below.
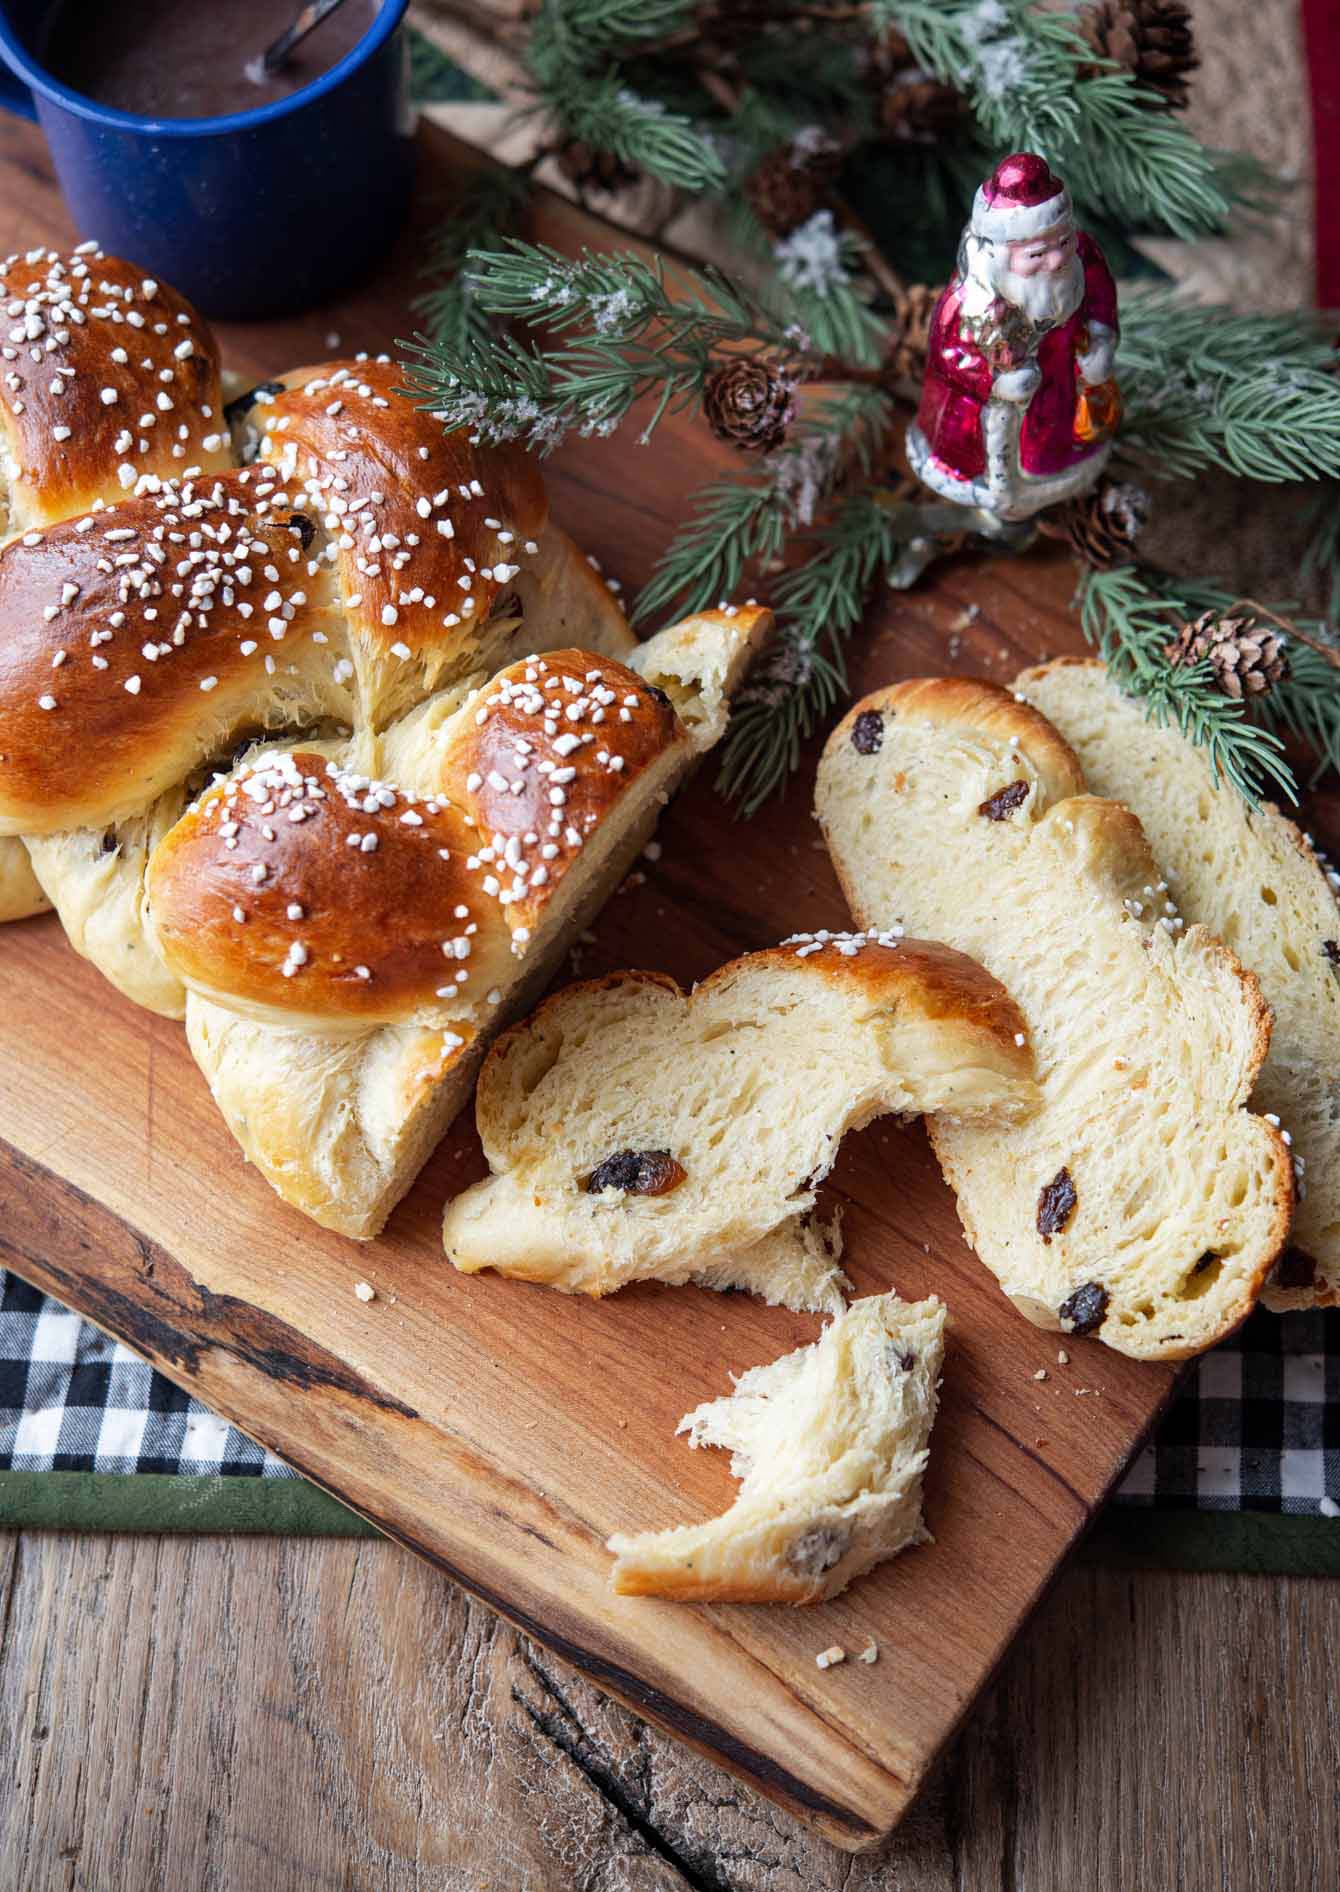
(959, 376)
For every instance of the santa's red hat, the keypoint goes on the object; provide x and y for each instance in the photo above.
(1020, 200)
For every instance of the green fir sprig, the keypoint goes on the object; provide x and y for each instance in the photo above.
(1258, 395)
(1131, 614)
(1036, 85)
(802, 675)
(626, 331)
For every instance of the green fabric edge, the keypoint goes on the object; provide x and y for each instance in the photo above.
(1251, 1542)
(161, 1501)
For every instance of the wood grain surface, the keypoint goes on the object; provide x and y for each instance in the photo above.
(502, 1431)
(274, 1715)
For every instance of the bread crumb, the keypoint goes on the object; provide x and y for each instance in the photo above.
(870, 1653)
(1041, 1373)
(830, 1657)
(365, 1291)
(1063, 1358)
(1328, 1507)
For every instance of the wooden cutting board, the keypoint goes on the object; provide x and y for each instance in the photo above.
(502, 1431)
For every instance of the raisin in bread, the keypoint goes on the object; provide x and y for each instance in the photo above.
(1252, 877)
(353, 919)
(638, 1132)
(830, 1446)
(1142, 1201)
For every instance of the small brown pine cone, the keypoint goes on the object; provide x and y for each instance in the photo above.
(782, 193)
(1103, 525)
(591, 169)
(918, 108)
(910, 332)
(1248, 659)
(1152, 39)
(749, 403)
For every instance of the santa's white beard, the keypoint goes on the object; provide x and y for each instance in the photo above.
(1045, 299)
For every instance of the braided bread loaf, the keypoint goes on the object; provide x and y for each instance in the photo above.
(353, 920)
(160, 601)
(302, 601)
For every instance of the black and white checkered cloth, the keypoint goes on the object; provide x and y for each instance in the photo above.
(1256, 1428)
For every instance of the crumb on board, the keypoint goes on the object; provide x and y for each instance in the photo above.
(1063, 1358)
(365, 1291)
(830, 1657)
(1041, 1373)
(870, 1653)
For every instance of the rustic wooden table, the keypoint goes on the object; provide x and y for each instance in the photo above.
(271, 1715)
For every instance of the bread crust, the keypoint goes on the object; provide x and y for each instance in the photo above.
(109, 377)
(368, 462)
(1106, 844)
(398, 899)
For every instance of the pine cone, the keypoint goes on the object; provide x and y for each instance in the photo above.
(1103, 525)
(591, 169)
(910, 331)
(1152, 39)
(788, 185)
(1248, 659)
(783, 194)
(919, 108)
(750, 403)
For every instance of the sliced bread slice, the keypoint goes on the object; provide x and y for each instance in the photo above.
(830, 1444)
(1142, 1201)
(637, 1132)
(1252, 877)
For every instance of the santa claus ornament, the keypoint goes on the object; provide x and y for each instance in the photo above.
(1018, 405)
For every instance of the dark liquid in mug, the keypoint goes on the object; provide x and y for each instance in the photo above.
(189, 58)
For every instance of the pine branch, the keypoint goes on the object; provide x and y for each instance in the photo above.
(570, 54)
(1130, 615)
(1035, 85)
(640, 341)
(802, 674)
(746, 522)
(1257, 395)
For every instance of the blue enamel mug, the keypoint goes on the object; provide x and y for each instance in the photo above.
(256, 214)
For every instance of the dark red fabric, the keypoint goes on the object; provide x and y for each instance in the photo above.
(1321, 40)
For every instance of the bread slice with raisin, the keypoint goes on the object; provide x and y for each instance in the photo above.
(1253, 878)
(1142, 1201)
(830, 1446)
(637, 1132)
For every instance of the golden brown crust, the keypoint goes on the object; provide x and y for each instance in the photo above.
(987, 709)
(360, 901)
(936, 981)
(107, 376)
(131, 650)
(554, 742)
(268, 890)
(356, 450)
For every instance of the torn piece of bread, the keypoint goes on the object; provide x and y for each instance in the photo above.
(830, 1444)
(352, 921)
(1252, 877)
(1142, 1201)
(637, 1132)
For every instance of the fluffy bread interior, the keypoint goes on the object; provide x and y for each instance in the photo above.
(830, 1444)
